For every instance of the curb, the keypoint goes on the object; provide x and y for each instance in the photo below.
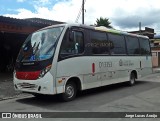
(156, 71)
(7, 98)
(13, 97)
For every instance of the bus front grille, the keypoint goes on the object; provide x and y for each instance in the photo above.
(27, 86)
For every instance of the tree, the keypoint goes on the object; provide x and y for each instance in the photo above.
(103, 22)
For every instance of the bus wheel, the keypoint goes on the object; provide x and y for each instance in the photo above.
(70, 92)
(132, 79)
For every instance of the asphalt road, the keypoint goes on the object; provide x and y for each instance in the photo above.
(143, 97)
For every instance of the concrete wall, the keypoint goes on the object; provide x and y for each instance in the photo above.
(155, 58)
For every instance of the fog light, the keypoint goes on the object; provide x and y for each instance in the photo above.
(39, 88)
(15, 86)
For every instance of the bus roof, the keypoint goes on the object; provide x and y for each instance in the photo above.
(101, 28)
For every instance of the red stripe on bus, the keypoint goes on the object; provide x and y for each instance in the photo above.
(93, 68)
(28, 75)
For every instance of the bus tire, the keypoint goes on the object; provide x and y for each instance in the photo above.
(70, 92)
(132, 79)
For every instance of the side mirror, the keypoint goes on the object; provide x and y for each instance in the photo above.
(71, 36)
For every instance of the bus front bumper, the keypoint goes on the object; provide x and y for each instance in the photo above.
(42, 86)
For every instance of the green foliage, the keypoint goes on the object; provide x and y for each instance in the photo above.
(103, 22)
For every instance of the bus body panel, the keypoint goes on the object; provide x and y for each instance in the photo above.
(146, 63)
(92, 70)
(108, 69)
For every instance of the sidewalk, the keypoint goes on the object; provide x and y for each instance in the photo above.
(7, 88)
(156, 70)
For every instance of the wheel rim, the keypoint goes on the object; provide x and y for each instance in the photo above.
(69, 91)
(132, 80)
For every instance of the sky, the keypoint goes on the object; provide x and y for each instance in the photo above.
(123, 14)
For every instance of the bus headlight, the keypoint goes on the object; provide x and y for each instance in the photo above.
(44, 71)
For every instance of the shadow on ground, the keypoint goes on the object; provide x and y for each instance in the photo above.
(88, 99)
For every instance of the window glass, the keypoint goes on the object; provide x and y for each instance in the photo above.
(40, 45)
(72, 47)
(99, 43)
(145, 46)
(118, 44)
(132, 45)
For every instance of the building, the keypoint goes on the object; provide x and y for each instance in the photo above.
(156, 56)
(13, 33)
(156, 51)
(147, 32)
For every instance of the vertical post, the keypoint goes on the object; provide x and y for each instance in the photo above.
(82, 11)
(140, 27)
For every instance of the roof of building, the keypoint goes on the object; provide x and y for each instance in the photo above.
(147, 32)
(43, 21)
(37, 22)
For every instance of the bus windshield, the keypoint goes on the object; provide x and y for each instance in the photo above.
(40, 45)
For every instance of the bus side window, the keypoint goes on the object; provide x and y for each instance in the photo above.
(145, 46)
(132, 45)
(72, 47)
(118, 44)
(79, 42)
(99, 43)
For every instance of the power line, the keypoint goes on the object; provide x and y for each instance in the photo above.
(79, 13)
(82, 11)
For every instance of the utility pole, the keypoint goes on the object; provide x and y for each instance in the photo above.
(140, 27)
(82, 11)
